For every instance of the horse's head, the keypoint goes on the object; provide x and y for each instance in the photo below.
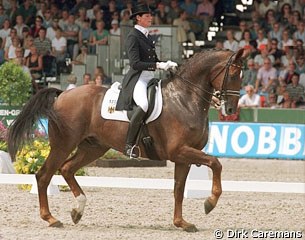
(226, 80)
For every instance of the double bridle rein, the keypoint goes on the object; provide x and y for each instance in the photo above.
(219, 94)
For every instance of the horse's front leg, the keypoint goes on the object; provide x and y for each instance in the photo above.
(181, 172)
(190, 155)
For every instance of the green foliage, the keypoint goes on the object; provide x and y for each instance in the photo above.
(113, 154)
(15, 84)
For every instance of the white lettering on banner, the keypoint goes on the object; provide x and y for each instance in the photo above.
(266, 140)
(7, 112)
(220, 139)
(249, 142)
(291, 144)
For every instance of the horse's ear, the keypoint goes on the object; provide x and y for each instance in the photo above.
(242, 54)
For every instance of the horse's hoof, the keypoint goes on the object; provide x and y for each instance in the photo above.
(191, 228)
(208, 207)
(57, 224)
(76, 216)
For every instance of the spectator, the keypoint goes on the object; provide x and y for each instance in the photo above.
(275, 32)
(173, 12)
(85, 33)
(59, 47)
(245, 40)
(99, 80)
(82, 57)
(81, 17)
(190, 7)
(300, 64)
(259, 59)
(41, 9)
(254, 30)
(286, 41)
(99, 70)
(276, 53)
(300, 33)
(287, 102)
(10, 52)
(250, 99)
(8, 40)
(3, 16)
(253, 49)
(261, 39)
(42, 44)
(72, 80)
(108, 13)
(125, 19)
(99, 16)
(286, 74)
(20, 26)
(249, 76)
(160, 17)
(35, 29)
(53, 28)
(13, 12)
(184, 32)
(115, 30)
(266, 5)
(239, 35)
(47, 19)
(71, 32)
(5, 31)
(28, 12)
(269, 20)
(296, 90)
(285, 14)
(63, 21)
(266, 77)
(86, 78)
(219, 45)
(205, 12)
(34, 63)
(272, 101)
(27, 44)
(230, 43)
(100, 35)
(91, 11)
(293, 22)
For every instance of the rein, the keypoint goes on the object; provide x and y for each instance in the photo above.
(217, 94)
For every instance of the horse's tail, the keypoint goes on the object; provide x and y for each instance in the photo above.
(40, 105)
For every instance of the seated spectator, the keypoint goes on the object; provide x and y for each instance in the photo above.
(245, 40)
(5, 30)
(34, 63)
(82, 57)
(249, 75)
(52, 29)
(285, 14)
(160, 17)
(84, 33)
(264, 53)
(300, 33)
(115, 30)
(72, 79)
(253, 49)
(286, 41)
(59, 47)
(239, 35)
(272, 101)
(266, 5)
(266, 77)
(10, 52)
(34, 31)
(42, 43)
(276, 53)
(296, 90)
(86, 78)
(8, 40)
(300, 64)
(99, 70)
(173, 12)
(254, 30)
(250, 99)
(184, 32)
(205, 12)
(261, 39)
(100, 35)
(219, 45)
(287, 101)
(99, 79)
(285, 75)
(230, 43)
(47, 19)
(70, 32)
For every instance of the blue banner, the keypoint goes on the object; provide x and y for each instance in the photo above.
(256, 140)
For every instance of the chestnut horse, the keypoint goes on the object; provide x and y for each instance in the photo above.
(179, 134)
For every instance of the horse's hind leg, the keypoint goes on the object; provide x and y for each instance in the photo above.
(181, 172)
(85, 154)
(43, 177)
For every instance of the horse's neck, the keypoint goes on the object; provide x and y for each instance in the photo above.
(187, 95)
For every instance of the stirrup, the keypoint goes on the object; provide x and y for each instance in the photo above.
(129, 152)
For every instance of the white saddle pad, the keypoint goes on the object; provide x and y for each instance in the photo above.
(110, 100)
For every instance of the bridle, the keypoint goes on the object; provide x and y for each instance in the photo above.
(222, 94)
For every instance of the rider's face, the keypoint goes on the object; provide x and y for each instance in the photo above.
(145, 20)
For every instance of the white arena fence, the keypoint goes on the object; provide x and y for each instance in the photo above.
(166, 184)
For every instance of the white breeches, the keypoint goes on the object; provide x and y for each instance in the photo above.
(140, 90)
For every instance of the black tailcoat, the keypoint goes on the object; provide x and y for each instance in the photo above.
(142, 56)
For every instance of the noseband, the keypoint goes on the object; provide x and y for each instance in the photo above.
(222, 94)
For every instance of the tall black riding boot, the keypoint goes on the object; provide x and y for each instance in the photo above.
(133, 130)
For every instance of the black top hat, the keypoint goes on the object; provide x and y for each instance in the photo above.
(139, 9)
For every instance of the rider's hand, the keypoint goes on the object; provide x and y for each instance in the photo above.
(166, 65)
(172, 65)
